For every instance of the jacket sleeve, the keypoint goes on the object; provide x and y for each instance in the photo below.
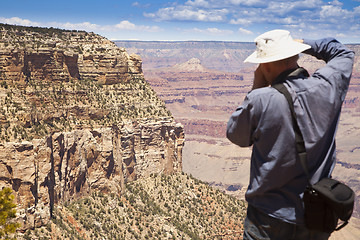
(241, 124)
(339, 61)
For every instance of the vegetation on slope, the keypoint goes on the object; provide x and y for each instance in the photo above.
(7, 214)
(43, 107)
(158, 207)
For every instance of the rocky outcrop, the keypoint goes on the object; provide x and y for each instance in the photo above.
(73, 55)
(77, 116)
(68, 165)
(109, 67)
(53, 80)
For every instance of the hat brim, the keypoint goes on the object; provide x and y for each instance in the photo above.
(287, 51)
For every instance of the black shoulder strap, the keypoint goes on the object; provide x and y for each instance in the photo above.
(300, 145)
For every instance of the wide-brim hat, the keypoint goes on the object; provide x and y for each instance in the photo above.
(275, 45)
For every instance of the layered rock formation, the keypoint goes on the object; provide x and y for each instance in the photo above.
(76, 116)
(25, 55)
(68, 165)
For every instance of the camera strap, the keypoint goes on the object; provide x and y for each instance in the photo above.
(300, 144)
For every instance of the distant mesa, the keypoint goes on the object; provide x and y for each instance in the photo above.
(193, 65)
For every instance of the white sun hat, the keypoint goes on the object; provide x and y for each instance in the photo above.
(275, 45)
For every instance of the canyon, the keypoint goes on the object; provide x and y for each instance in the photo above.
(85, 122)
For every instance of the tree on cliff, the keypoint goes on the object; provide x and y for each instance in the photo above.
(7, 213)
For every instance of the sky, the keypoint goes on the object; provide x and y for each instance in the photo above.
(182, 20)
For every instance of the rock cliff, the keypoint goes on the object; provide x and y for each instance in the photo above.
(76, 116)
(57, 55)
(67, 165)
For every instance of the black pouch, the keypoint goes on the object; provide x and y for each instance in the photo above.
(326, 202)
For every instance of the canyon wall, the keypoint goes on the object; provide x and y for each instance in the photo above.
(76, 116)
(68, 165)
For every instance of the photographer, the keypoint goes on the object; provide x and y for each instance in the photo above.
(263, 121)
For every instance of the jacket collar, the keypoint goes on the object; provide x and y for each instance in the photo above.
(291, 74)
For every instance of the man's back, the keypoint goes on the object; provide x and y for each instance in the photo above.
(277, 179)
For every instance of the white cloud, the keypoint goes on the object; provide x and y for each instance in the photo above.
(140, 5)
(333, 11)
(308, 4)
(337, 3)
(282, 8)
(189, 13)
(242, 12)
(246, 2)
(340, 35)
(19, 21)
(126, 25)
(286, 21)
(86, 26)
(357, 10)
(246, 32)
(241, 21)
(212, 31)
(198, 3)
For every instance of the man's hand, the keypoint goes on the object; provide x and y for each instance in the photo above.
(259, 78)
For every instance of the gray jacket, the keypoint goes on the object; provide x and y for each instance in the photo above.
(277, 180)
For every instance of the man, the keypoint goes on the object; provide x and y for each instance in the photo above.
(277, 179)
